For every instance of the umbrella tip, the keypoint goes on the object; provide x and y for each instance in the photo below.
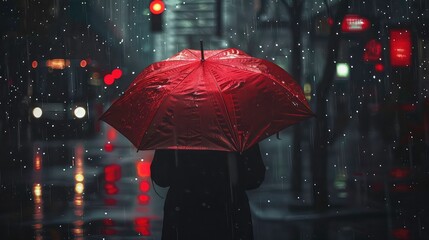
(202, 50)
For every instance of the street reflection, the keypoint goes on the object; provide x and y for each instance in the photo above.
(143, 172)
(38, 211)
(37, 196)
(78, 201)
(142, 226)
(109, 227)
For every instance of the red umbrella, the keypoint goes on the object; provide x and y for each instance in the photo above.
(227, 101)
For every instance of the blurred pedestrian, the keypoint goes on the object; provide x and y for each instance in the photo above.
(206, 197)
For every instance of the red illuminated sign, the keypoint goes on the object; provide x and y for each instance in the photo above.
(400, 47)
(372, 51)
(354, 23)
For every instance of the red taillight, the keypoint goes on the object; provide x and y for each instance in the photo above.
(116, 73)
(109, 79)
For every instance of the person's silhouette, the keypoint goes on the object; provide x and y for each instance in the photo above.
(207, 198)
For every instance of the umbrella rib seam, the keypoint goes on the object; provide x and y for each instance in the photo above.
(280, 83)
(188, 50)
(245, 54)
(226, 109)
(166, 70)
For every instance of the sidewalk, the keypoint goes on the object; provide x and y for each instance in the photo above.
(272, 203)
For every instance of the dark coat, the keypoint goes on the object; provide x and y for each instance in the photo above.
(200, 203)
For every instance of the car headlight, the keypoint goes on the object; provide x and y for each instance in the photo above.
(37, 112)
(79, 112)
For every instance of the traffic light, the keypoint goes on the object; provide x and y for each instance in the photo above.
(156, 8)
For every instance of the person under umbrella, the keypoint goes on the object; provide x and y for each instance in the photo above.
(198, 203)
(204, 117)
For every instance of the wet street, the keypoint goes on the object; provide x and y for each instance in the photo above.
(81, 189)
(100, 188)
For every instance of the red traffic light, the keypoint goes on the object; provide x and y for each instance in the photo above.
(157, 7)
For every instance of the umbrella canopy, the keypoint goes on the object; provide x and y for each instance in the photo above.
(226, 101)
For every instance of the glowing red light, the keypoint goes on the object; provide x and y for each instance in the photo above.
(372, 51)
(330, 21)
(143, 199)
(408, 107)
(108, 147)
(354, 23)
(157, 7)
(109, 231)
(377, 187)
(110, 201)
(116, 73)
(143, 169)
(111, 188)
(111, 134)
(400, 172)
(108, 222)
(379, 67)
(37, 162)
(400, 48)
(34, 64)
(83, 63)
(402, 188)
(144, 186)
(112, 173)
(109, 79)
(142, 226)
(401, 233)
